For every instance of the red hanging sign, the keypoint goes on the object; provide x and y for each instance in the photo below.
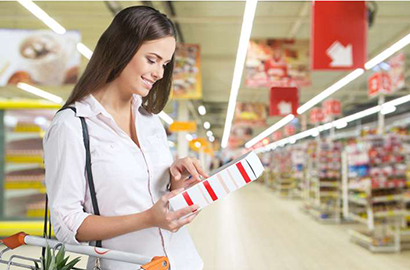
(283, 101)
(290, 130)
(379, 83)
(316, 115)
(276, 136)
(339, 35)
(332, 107)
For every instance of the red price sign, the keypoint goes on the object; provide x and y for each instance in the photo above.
(276, 136)
(316, 115)
(290, 130)
(379, 83)
(332, 107)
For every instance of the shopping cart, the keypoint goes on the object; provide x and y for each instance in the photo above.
(19, 239)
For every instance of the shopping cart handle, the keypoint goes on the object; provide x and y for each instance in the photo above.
(15, 240)
(157, 263)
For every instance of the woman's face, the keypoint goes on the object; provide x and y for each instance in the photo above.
(147, 66)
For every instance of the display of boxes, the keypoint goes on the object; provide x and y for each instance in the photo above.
(223, 181)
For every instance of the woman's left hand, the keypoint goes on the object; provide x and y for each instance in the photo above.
(186, 172)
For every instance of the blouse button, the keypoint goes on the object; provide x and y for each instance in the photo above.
(112, 145)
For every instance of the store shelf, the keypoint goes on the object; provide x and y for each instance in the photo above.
(361, 201)
(37, 185)
(35, 159)
(329, 194)
(358, 218)
(34, 228)
(388, 198)
(393, 213)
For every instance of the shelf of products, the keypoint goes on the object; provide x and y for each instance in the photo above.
(376, 173)
(299, 161)
(23, 194)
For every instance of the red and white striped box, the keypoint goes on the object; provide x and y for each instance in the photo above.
(223, 181)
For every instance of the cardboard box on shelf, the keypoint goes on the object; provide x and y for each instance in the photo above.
(223, 181)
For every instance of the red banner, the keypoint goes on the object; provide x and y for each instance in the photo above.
(276, 136)
(283, 101)
(316, 115)
(332, 107)
(339, 35)
(379, 83)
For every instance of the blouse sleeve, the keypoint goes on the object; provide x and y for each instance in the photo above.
(64, 161)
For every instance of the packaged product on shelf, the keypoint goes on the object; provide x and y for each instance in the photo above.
(223, 181)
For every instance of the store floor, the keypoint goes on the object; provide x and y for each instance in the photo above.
(254, 229)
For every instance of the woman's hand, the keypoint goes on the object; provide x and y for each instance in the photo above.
(162, 217)
(186, 172)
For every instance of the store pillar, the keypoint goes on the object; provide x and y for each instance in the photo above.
(183, 115)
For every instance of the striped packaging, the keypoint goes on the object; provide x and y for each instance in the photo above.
(223, 181)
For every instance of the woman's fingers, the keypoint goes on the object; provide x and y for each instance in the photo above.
(198, 167)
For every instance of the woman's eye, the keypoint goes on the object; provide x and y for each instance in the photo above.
(150, 61)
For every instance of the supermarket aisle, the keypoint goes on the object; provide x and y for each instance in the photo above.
(254, 229)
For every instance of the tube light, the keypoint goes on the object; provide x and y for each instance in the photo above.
(43, 16)
(87, 53)
(388, 52)
(270, 130)
(250, 8)
(398, 101)
(331, 90)
(41, 93)
(202, 110)
(387, 109)
(362, 114)
(166, 118)
(339, 124)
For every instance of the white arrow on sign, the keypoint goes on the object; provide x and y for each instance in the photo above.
(341, 56)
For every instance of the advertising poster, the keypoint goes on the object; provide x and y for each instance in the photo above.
(283, 101)
(187, 81)
(250, 114)
(39, 57)
(277, 62)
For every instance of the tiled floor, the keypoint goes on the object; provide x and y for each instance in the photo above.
(254, 229)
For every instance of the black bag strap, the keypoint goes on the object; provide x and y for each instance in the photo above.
(86, 139)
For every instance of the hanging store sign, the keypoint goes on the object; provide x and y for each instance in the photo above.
(332, 107)
(316, 115)
(339, 35)
(379, 83)
(290, 130)
(283, 101)
(276, 136)
(251, 114)
(189, 126)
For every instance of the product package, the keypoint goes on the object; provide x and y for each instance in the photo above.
(221, 182)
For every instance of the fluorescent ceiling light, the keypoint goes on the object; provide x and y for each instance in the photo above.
(250, 8)
(387, 109)
(362, 114)
(189, 137)
(331, 90)
(41, 93)
(284, 121)
(388, 52)
(166, 118)
(211, 138)
(207, 125)
(87, 53)
(209, 133)
(398, 101)
(198, 144)
(202, 110)
(339, 124)
(43, 16)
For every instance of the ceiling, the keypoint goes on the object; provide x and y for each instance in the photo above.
(216, 25)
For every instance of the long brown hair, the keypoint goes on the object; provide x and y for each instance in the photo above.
(117, 46)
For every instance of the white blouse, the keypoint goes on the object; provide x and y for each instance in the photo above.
(128, 179)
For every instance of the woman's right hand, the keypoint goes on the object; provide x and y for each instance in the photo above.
(162, 217)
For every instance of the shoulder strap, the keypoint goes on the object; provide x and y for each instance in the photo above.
(86, 140)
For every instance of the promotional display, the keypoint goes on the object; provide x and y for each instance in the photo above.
(339, 35)
(223, 181)
(277, 62)
(316, 116)
(187, 80)
(39, 57)
(250, 114)
(283, 101)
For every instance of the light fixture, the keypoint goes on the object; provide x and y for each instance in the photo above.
(211, 138)
(249, 14)
(189, 137)
(329, 91)
(339, 124)
(43, 16)
(87, 53)
(388, 52)
(315, 133)
(292, 141)
(202, 110)
(166, 118)
(198, 144)
(270, 130)
(387, 109)
(265, 141)
(207, 125)
(362, 114)
(38, 92)
(209, 133)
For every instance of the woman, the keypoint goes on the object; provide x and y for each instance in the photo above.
(126, 82)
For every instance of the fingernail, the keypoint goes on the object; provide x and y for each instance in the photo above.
(189, 177)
